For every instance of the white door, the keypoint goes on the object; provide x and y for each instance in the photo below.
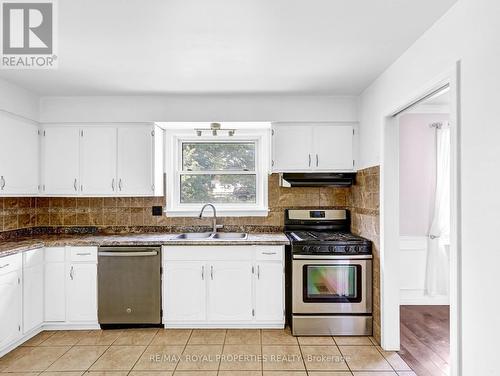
(98, 161)
(10, 308)
(230, 291)
(135, 161)
(333, 147)
(292, 148)
(269, 292)
(19, 153)
(184, 286)
(55, 291)
(61, 160)
(33, 294)
(81, 298)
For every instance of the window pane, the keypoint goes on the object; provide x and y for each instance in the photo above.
(327, 281)
(218, 188)
(218, 156)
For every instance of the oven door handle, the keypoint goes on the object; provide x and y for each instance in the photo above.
(332, 257)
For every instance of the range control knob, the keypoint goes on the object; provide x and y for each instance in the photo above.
(305, 248)
(316, 249)
(331, 248)
(347, 248)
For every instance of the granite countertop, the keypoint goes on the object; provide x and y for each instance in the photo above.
(22, 244)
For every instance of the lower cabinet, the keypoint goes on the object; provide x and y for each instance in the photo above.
(81, 292)
(228, 286)
(184, 291)
(71, 284)
(230, 291)
(33, 289)
(10, 299)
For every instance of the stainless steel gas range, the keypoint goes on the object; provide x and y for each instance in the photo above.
(329, 275)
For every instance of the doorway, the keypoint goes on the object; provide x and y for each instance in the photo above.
(390, 257)
(424, 231)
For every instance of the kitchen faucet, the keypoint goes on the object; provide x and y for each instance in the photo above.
(214, 218)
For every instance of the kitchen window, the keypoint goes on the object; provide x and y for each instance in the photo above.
(229, 172)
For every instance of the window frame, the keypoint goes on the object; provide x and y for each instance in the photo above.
(174, 141)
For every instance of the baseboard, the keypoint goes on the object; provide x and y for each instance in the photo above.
(418, 297)
(205, 325)
(21, 340)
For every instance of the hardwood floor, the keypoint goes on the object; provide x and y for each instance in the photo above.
(425, 339)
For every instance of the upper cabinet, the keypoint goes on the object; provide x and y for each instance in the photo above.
(322, 147)
(19, 156)
(102, 160)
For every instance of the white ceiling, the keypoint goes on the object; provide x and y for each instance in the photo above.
(134, 47)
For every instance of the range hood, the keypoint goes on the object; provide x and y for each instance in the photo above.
(314, 179)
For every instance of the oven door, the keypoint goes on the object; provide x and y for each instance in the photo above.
(331, 284)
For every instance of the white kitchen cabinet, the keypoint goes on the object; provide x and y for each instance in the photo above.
(61, 160)
(55, 284)
(308, 147)
(230, 291)
(135, 161)
(33, 289)
(220, 286)
(98, 160)
(10, 300)
(333, 147)
(81, 292)
(19, 153)
(269, 304)
(184, 287)
(292, 148)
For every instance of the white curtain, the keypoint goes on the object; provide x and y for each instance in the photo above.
(438, 267)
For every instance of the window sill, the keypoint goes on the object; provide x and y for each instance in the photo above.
(220, 212)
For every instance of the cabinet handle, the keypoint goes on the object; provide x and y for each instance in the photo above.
(268, 253)
(309, 160)
(2, 180)
(317, 160)
(113, 184)
(4, 266)
(75, 185)
(120, 184)
(71, 273)
(212, 272)
(203, 272)
(84, 254)
(258, 271)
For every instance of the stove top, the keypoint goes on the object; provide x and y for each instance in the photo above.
(323, 232)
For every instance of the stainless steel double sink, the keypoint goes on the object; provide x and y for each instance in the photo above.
(212, 236)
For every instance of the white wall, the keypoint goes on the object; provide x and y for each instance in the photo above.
(470, 31)
(198, 108)
(19, 101)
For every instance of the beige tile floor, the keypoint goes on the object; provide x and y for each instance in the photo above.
(183, 352)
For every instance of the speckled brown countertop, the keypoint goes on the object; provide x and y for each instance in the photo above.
(21, 244)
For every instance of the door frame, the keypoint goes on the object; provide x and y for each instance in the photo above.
(389, 219)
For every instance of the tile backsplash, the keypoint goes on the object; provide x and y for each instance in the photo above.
(25, 212)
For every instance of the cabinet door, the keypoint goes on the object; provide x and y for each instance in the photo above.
(333, 147)
(135, 161)
(55, 291)
(33, 294)
(19, 153)
(269, 292)
(10, 308)
(61, 160)
(184, 286)
(81, 295)
(230, 291)
(98, 161)
(292, 148)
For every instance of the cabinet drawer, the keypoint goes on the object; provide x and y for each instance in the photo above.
(10, 263)
(82, 254)
(54, 254)
(271, 253)
(33, 258)
(207, 252)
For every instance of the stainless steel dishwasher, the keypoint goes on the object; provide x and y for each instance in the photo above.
(129, 285)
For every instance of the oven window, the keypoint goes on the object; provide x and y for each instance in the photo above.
(332, 283)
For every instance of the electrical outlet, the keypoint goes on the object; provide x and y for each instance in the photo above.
(157, 210)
